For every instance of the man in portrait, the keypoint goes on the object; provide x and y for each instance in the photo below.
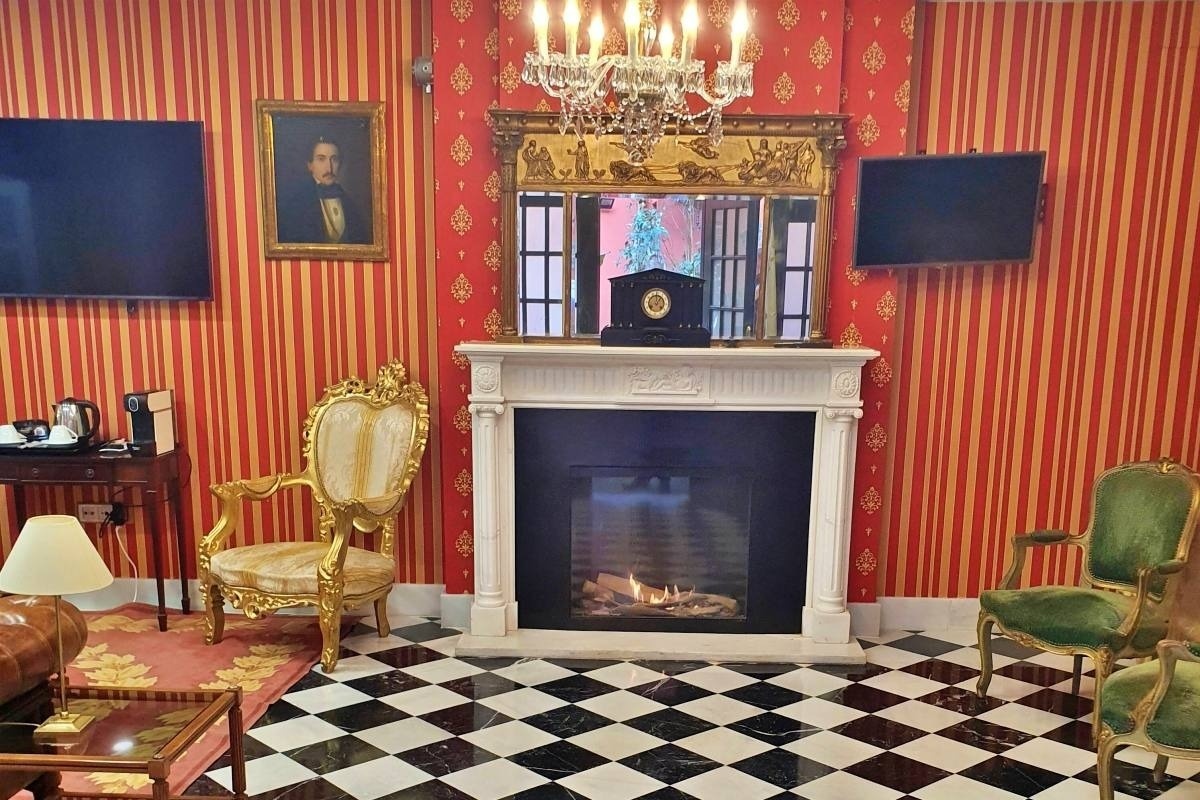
(319, 210)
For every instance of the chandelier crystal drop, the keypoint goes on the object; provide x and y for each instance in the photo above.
(638, 95)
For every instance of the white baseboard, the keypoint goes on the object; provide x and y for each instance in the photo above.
(456, 610)
(864, 619)
(406, 599)
(928, 613)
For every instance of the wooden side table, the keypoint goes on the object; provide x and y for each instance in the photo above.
(141, 731)
(158, 477)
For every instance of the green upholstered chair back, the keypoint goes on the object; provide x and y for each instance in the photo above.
(1185, 609)
(1144, 513)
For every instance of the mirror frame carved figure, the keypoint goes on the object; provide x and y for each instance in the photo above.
(799, 159)
(337, 517)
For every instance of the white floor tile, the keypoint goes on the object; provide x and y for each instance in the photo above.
(956, 787)
(371, 643)
(405, 734)
(1025, 719)
(294, 733)
(1003, 687)
(892, 657)
(832, 749)
(943, 753)
(719, 709)
(844, 786)
(716, 678)
(376, 778)
(442, 670)
(724, 783)
(445, 646)
(265, 774)
(723, 745)
(1179, 767)
(625, 675)
(360, 666)
(1184, 791)
(1055, 756)
(820, 712)
(969, 657)
(611, 782)
(510, 738)
(1075, 789)
(494, 780)
(916, 714)
(325, 698)
(616, 741)
(424, 700)
(811, 682)
(522, 703)
(903, 684)
(620, 706)
(533, 672)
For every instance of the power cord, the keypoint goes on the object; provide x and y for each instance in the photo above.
(117, 516)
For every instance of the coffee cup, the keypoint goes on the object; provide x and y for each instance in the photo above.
(10, 435)
(61, 434)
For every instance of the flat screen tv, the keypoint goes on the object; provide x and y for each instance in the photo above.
(103, 209)
(977, 208)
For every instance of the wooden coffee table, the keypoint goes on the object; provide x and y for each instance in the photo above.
(141, 731)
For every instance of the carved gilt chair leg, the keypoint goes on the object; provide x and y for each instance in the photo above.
(214, 614)
(381, 619)
(1077, 675)
(1104, 760)
(1104, 666)
(985, 653)
(1160, 769)
(330, 619)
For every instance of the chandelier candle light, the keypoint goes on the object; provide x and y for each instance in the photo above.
(639, 95)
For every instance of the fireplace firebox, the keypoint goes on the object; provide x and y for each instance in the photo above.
(647, 520)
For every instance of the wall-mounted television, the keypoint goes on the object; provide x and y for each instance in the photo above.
(103, 209)
(976, 208)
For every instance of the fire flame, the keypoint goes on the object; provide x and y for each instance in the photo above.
(653, 595)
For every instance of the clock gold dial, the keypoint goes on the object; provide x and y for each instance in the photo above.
(656, 303)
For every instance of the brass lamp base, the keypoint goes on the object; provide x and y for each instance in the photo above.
(64, 723)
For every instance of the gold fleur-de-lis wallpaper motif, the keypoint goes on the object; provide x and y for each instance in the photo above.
(851, 336)
(886, 306)
(784, 88)
(718, 12)
(461, 79)
(461, 9)
(902, 96)
(461, 150)
(821, 53)
(461, 289)
(462, 482)
(876, 438)
(464, 545)
(871, 501)
(462, 420)
(874, 58)
(491, 186)
(788, 15)
(510, 78)
(867, 130)
(491, 256)
(460, 220)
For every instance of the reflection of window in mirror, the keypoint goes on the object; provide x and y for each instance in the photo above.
(788, 283)
(540, 246)
(732, 231)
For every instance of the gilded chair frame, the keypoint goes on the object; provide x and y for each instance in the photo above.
(1148, 598)
(336, 520)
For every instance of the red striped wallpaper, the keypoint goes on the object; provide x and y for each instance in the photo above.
(1019, 384)
(246, 366)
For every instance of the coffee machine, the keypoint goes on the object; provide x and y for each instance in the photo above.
(151, 421)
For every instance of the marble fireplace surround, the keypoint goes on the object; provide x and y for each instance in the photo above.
(508, 375)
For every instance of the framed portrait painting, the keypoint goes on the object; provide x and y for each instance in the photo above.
(322, 171)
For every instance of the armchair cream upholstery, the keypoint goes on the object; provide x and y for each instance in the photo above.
(362, 447)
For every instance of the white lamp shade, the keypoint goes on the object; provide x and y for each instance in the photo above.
(53, 556)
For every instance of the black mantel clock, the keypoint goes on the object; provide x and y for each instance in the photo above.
(656, 308)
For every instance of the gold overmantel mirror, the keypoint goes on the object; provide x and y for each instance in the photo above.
(752, 216)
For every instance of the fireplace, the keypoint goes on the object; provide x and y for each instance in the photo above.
(646, 471)
(660, 520)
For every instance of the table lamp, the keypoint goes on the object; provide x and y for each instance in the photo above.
(53, 556)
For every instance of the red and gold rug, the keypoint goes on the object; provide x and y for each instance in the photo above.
(126, 649)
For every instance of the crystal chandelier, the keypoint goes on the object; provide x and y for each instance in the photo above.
(637, 95)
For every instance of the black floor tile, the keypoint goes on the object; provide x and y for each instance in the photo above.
(385, 683)
(897, 772)
(782, 768)
(361, 716)
(567, 721)
(465, 718)
(925, 645)
(430, 790)
(558, 760)
(669, 725)
(942, 671)
(1061, 703)
(879, 731)
(1133, 780)
(407, 656)
(334, 754)
(864, 698)
(1007, 647)
(1023, 780)
(670, 763)
(963, 701)
(442, 758)
(575, 689)
(252, 748)
(985, 735)
(424, 633)
(1036, 674)
(670, 692)
(279, 711)
(483, 685)
(314, 789)
(774, 728)
(766, 696)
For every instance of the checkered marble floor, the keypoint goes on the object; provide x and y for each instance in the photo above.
(400, 719)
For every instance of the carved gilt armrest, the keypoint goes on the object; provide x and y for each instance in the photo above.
(1169, 654)
(232, 494)
(1039, 538)
(1148, 577)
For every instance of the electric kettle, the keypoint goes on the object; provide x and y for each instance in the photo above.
(81, 416)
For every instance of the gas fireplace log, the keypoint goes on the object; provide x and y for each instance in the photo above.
(616, 585)
(598, 592)
(613, 593)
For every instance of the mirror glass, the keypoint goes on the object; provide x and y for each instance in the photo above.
(578, 242)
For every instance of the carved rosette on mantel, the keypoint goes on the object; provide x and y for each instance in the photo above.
(824, 381)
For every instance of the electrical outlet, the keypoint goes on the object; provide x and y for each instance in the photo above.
(93, 512)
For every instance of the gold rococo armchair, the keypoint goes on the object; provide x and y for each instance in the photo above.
(362, 445)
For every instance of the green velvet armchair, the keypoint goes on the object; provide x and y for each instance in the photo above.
(1144, 516)
(1156, 705)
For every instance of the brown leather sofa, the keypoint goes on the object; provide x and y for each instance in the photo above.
(28, 656)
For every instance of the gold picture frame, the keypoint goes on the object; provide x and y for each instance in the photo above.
(321, 169)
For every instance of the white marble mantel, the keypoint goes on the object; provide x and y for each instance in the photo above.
(507, 375)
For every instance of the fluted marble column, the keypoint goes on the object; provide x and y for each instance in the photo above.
(827, 619)
(488, 609)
